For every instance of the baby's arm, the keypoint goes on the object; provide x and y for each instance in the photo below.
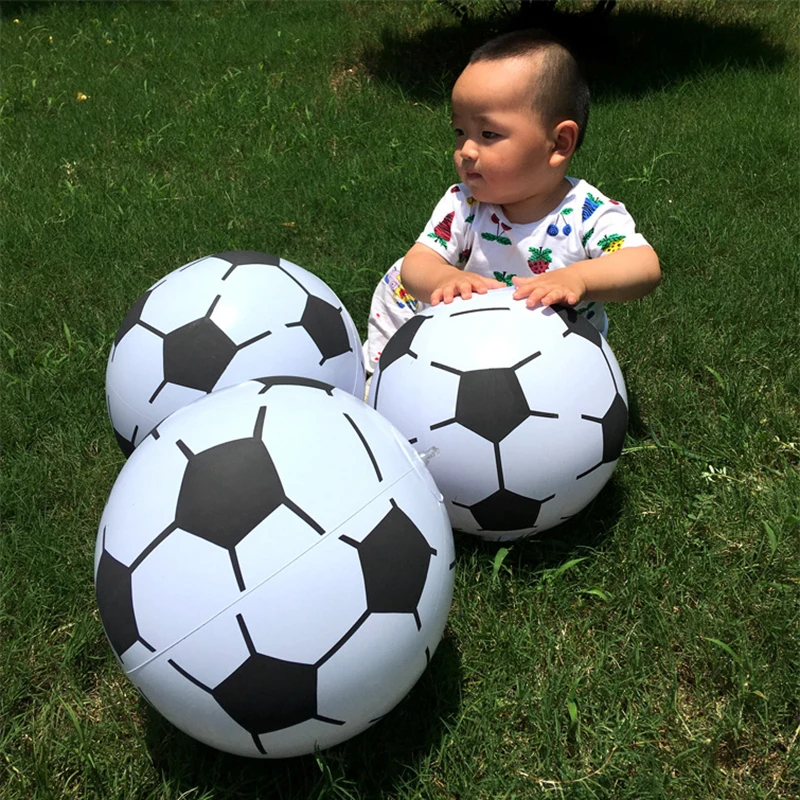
(627, 274)
(432, 279)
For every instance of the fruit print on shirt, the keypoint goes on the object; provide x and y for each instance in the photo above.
(552, 228)
(442, 232)
(505, 278)
(539, 259)
(471, 201)
(590, 205)
(497, 236)
(611, 243)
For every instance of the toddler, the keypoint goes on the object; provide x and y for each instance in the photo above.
(519, 112)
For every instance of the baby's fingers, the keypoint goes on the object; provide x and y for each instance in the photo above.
(465, 288)
(468, 284)
(557, 295)
(481, 285)
(491, 283)
(536, 295)
(523, 287)
(446, 293)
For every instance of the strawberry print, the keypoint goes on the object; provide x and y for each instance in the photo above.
(455, 190)
(463, 256)
(590, 205)
(611, 243)
(539, 259)
(442, 233)
(497, 236)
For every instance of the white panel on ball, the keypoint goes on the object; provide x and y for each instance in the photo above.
(527, 409)
(238, 602)
(221, 320)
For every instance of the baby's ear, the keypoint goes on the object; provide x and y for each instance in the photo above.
(565, 139)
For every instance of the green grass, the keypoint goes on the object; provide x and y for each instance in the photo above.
(651, 647)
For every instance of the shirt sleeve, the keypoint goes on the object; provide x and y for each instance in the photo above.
(607, 226)
(449, 230)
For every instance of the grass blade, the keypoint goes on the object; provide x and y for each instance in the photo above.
(727, 648)
(556, 573)
(499, 558)
(771, 537)
(596, 592)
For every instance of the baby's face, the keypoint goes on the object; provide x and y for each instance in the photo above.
(502, 148)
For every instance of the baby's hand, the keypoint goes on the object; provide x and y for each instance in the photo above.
(464, 284)
(560, 286)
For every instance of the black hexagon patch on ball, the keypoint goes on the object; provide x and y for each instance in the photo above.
(265, 694)
(505, 511)
(229, 489)
(196, 354)
(614, 424)
(325, 326)
(115, 602)
(395, 558)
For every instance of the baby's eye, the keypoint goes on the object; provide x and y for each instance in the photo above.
(458, 132)
(489, 134)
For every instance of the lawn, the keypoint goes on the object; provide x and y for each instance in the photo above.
(649, 648)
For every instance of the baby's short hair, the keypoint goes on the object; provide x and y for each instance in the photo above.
(560, 91)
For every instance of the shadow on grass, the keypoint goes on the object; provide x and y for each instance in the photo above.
(631, 52)
(375, 763)
(18, 8)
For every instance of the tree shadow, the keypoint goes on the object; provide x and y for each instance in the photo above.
(18, 8)
(631, 52)
(373, 763)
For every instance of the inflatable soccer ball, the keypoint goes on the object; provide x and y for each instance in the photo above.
(526, 407)
(219, 321)
(274, 567)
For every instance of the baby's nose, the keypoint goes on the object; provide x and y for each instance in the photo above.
(469, 150)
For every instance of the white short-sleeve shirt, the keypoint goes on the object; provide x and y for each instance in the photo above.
(478, 237)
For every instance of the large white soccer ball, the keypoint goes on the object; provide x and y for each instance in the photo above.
(274, 567)
(526, 407)
(221, 320)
